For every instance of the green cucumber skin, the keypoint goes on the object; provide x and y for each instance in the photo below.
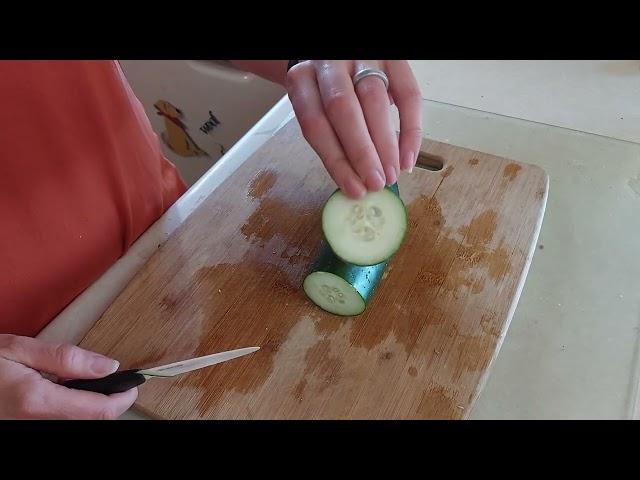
(364, 279)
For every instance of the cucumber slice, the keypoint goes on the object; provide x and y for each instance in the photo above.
(366, 231)
(333, 294)
(341, 288)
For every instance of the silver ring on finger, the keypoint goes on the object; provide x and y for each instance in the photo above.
(371, 72)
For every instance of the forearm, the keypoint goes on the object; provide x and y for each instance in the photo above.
(272, 70)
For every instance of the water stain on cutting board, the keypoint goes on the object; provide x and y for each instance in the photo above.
(472, 254)
(272, 217)
(468, 353)
(511, 171)
(425, 315)
(328, 324)
(262, 183)
(323, 365)
(437, 402)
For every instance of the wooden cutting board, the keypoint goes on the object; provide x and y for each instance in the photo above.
(231, 276)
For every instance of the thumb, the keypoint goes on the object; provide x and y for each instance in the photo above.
(65, 361)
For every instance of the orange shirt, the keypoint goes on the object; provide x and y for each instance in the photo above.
(82, 176)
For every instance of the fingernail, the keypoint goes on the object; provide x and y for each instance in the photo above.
(375, 181)
(392, 175)
(103, 365)
(409, 161)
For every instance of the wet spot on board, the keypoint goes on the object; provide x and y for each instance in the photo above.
(470, 354)
(431, 279)
(262, 183)
(273, 218)
(298, 391)
(460, 265)
(321, 365)
(168, 303)
(511, 171)
(297, 254)
(475, 251)
(489, 324)
(292, 222)
(328, 324)
(437, 402)
(481, 229)
(499, 263)
(156, 355)
(413, 371)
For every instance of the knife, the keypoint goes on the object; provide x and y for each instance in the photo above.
(127, 379)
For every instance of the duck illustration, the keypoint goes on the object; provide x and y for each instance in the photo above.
(175, 135)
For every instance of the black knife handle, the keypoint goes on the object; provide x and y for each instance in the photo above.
(115, 383)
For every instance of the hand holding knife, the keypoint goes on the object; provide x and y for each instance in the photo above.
(127, 379)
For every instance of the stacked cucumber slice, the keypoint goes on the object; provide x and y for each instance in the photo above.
(361, 236)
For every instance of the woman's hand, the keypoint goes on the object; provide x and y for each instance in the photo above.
(26, 394)
(349, 126)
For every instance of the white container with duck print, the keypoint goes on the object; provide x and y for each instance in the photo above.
(199, 109)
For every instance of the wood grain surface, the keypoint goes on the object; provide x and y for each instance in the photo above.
(231, 276)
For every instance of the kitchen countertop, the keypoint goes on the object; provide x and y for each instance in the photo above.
(593, 96)
(572, 350)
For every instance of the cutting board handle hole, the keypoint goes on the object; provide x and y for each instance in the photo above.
(430, 162)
